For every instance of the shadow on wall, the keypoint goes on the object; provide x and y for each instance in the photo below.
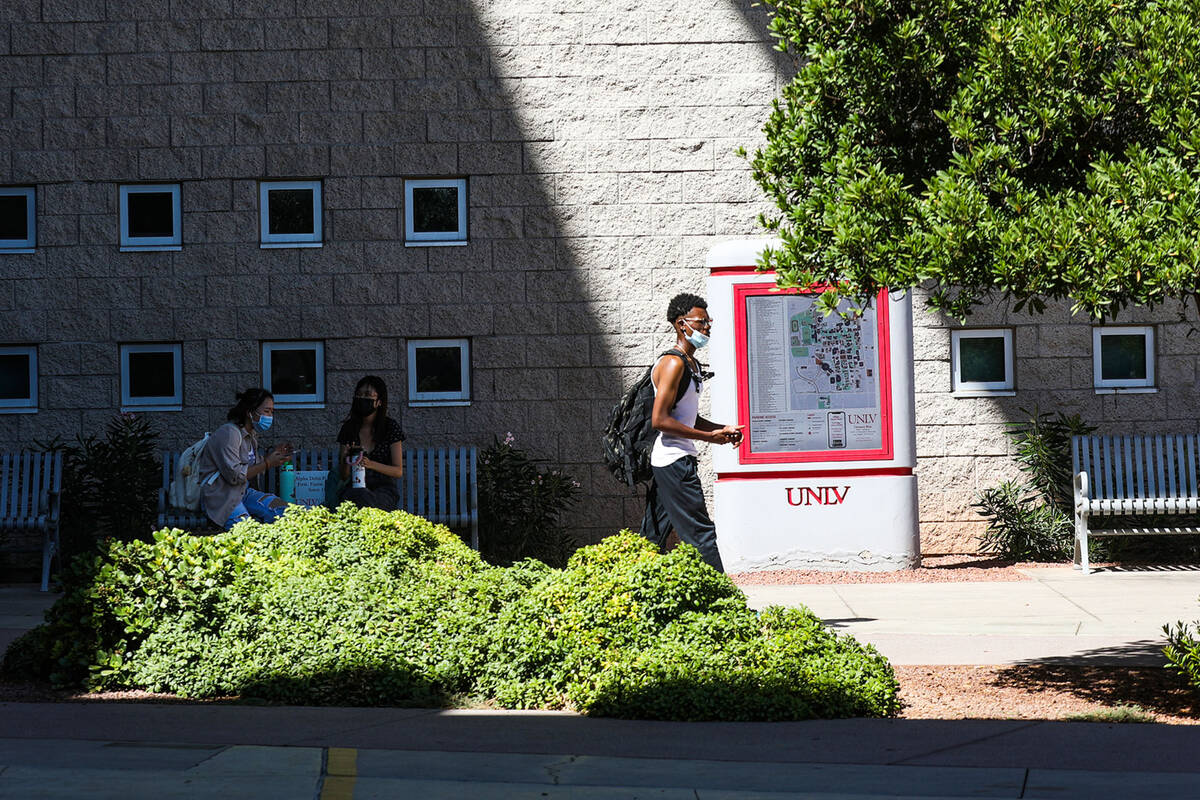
(600, 165)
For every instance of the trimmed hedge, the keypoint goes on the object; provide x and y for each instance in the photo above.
(363, 607)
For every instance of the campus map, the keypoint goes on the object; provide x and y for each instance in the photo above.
(831, 359)
(814, 379)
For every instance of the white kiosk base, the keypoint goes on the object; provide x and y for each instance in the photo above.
(820, 522)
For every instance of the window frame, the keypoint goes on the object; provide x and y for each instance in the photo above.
(132, 244)
(27, 405)
(267, 349)
(269, 240)
(29, 243)
(162, 403)
(1003, 388)
(422, 399)
(1131, 385)
(435, 238)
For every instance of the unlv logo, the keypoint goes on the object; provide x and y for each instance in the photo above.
(816, 496)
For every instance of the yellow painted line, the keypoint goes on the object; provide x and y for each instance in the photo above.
(341, 773)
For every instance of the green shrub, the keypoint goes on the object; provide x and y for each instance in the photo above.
(1033, 520)
(1043, 452)
(521, 503)
(1022, 526)
(623, 631)
(361, 606)
(110, 484)
(1183, 651)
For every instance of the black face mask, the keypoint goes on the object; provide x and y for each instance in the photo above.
(362, 406)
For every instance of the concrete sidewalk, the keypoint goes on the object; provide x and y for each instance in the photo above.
(135, 750)
(1060, 616)
(99, 750)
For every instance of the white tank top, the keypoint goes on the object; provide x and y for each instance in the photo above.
(669, 448)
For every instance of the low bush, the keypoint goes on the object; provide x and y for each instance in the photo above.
(1183, 651)
(1022, 526)
(109, 484)
(359, 606)
(1032, 520)
(521, 504)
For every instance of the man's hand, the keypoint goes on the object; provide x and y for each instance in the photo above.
(729, 434)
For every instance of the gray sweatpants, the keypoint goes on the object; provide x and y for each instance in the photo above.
(675, 499)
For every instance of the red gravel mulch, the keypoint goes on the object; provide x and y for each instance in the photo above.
(933, 569)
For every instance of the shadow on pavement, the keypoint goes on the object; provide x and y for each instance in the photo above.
(1163, 691)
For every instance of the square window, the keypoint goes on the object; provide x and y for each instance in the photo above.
(151, 377)
(435, 211)
(1123, 357)
(18, 380)
(290, 213)
(150, 217)
(295, 373)
(439, 372)
(981, 361)
(18, 223)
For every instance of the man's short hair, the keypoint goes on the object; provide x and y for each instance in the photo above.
(682, 303)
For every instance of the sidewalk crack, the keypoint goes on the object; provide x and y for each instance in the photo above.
(553, 768)
(845, 602)
(957, 745)
(218, 751)
(1054, 589)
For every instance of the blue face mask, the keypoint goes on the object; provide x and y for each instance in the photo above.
(263, 422)
(696, 338)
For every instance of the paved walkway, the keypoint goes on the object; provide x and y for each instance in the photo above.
(1060, 616)
(135, 750)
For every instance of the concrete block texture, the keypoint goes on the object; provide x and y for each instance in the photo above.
(598, 141)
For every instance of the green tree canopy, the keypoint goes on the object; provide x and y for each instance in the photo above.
(1030, 150)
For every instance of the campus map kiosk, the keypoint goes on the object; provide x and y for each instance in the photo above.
(823, 478)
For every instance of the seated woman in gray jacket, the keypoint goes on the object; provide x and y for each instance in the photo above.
(232, 457)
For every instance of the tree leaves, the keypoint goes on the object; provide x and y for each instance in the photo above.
(1032, 151)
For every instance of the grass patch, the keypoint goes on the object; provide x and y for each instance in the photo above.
(1115, 715)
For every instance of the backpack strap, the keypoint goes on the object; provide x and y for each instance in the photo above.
(687, 374)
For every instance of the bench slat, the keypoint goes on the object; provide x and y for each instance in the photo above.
(1190, 464)
(6, 473)
(438, 484)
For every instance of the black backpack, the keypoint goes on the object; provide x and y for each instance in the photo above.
(629, 434)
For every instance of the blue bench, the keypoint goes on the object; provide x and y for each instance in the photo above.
(439, 484)
(30, 495)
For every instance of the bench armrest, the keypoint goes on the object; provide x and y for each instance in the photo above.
(1082, 488)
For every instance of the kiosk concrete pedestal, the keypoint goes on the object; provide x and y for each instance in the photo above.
(823, 478)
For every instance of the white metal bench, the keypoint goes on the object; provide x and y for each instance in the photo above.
(439, 484)
(30, 488)
(1131, 476)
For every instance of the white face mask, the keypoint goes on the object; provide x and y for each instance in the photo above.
(696, 338)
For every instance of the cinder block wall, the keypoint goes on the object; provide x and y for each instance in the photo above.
(962, 446)
(598, 138)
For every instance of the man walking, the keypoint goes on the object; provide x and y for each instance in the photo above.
(675, 498)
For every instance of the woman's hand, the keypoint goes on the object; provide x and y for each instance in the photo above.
(277, 455)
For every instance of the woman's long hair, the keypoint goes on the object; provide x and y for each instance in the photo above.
(247, 401)
(379, 426)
